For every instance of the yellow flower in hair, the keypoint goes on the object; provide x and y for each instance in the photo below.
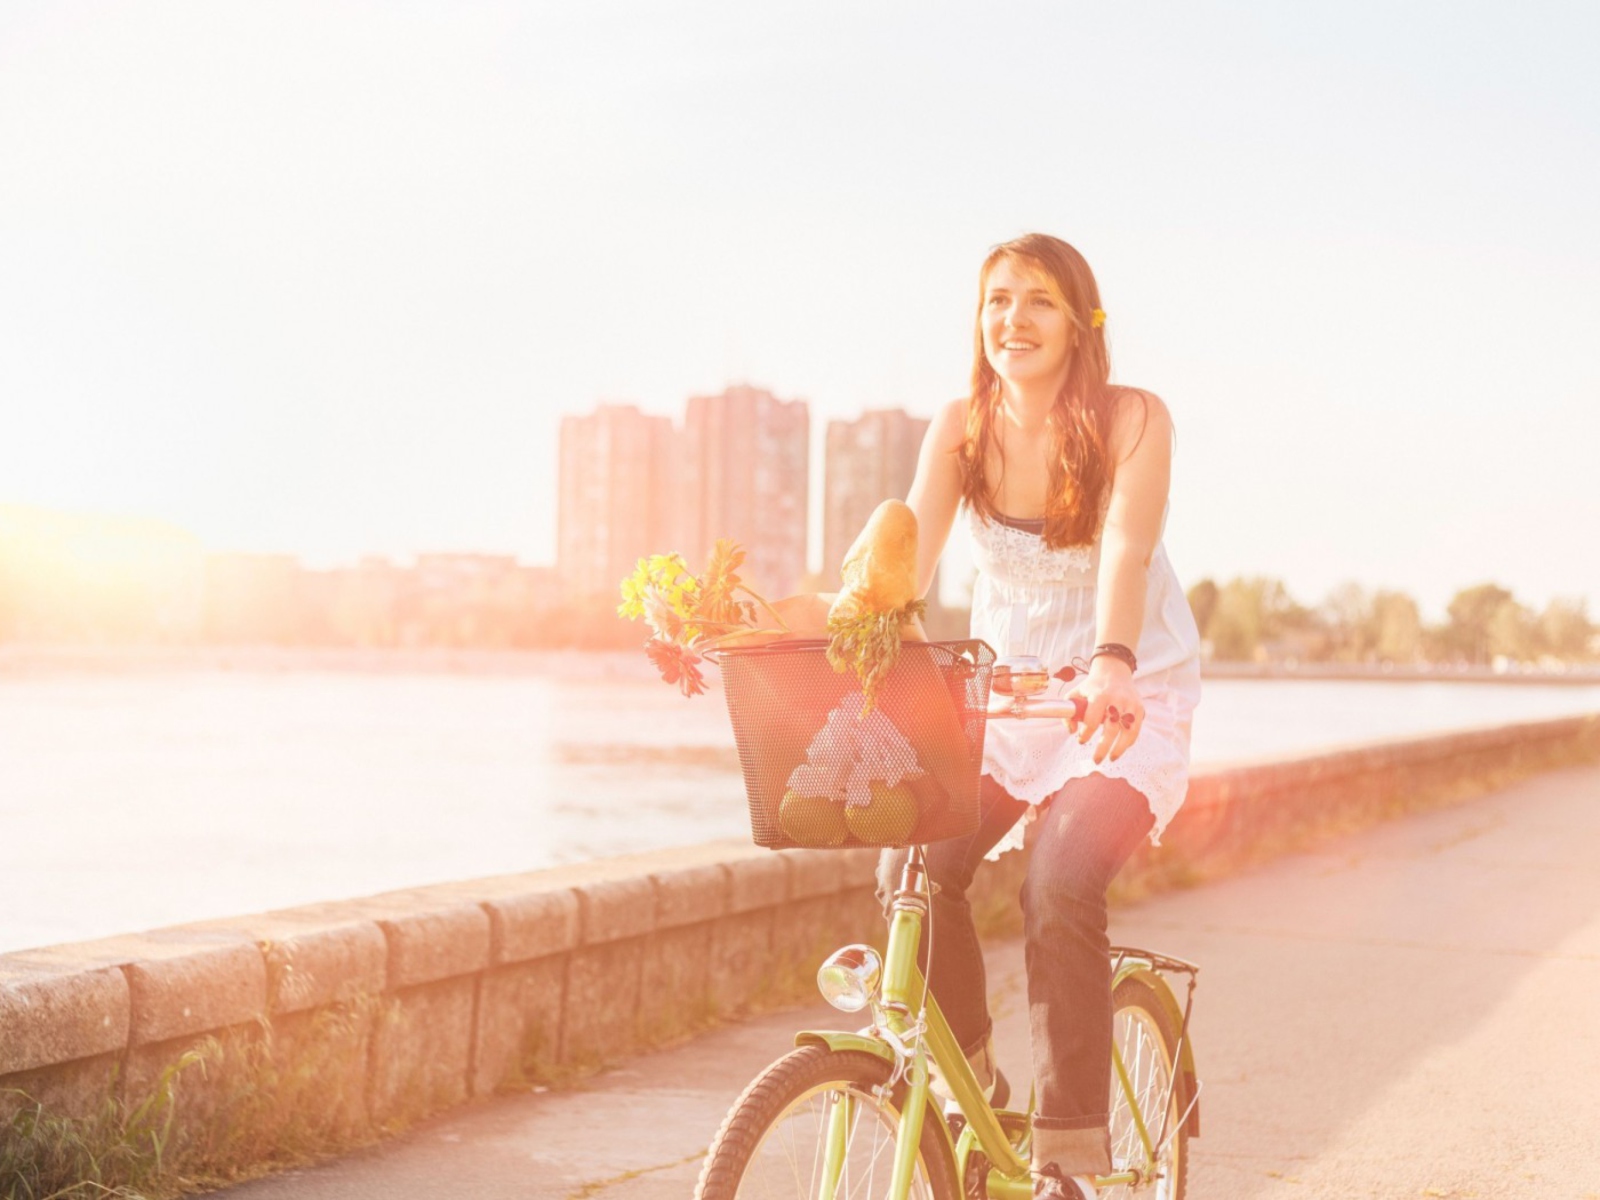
(1097, 318)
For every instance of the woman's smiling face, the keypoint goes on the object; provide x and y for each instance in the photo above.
(1028, 333)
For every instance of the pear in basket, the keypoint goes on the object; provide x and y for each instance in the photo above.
(888, 817)
(812, 820)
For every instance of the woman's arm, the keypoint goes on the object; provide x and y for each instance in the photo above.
(936, 490)
(1141, 449)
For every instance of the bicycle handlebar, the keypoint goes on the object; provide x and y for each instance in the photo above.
(1021, 708)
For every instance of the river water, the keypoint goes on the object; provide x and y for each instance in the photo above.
(135, 799)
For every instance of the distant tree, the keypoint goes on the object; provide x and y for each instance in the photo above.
(1396, 627)
(1565, 630)
(1250, 612)
(1438, 644)
(1235, 624)
(1471, 614)
(1348, 620)
(1203, 604)
(1513, 632)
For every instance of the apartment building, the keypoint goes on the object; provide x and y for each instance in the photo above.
(745, 475)
(617, 499)
(866, 461)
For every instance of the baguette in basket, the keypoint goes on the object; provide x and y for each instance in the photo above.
(878, 604)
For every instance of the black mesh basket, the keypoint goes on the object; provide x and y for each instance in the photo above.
(810, 757)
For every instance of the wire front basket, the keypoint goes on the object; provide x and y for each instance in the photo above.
(819, 771)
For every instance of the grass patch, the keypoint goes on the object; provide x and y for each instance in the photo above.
(252, 1100)
(120, 1150)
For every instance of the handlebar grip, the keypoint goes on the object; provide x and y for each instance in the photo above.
(1059, 710)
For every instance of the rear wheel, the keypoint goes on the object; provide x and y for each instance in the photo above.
(1147, 1038)
(772, 1144)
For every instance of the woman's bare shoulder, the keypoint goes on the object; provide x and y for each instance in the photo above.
(1136, 414)
(1139, 401)
(948, 428)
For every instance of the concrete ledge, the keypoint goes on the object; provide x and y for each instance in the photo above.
(428, 945)
(615, 909)
(313, 955)
(422, 1051)
(859, 867)
(389, 1008)
(183, 980)
(813, 872)
(194, 987)
(531, 926)
(57, 1015)
(691, 895)
(520, 1017)
(757, 883)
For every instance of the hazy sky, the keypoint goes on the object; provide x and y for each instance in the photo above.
(322, 277)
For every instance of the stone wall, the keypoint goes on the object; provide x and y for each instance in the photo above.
(334, 1023)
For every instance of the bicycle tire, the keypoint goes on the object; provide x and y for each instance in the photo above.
(746, 1162)
(1144, 1031)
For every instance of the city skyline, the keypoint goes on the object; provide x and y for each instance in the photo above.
(634, 485)
(1348, 248)
(950, 583)
(70, 581)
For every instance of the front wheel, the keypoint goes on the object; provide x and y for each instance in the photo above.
(775, 1142)
(1147, 1039)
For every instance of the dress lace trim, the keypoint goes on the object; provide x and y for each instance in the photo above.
(1016, 556)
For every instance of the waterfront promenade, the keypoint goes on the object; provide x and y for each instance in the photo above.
(1407, 1011)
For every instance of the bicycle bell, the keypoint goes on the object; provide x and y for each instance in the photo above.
(1019, 674)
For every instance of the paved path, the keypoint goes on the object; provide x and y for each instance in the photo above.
(1409, 1012)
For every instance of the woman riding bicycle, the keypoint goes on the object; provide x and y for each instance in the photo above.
(1063, 478)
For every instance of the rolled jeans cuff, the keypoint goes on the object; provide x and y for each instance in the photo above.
(1077, 1145)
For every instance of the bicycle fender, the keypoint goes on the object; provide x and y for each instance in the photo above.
(1134, 969)
(834, 1039)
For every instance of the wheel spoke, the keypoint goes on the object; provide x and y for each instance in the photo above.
(1147, 1060)
(793, 1146)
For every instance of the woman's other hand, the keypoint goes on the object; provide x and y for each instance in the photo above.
(1112, 708)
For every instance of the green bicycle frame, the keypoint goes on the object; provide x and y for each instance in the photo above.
(903, 994)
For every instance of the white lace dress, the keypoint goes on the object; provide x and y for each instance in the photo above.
(1032, 759)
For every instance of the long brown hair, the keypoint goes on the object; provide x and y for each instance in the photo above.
(1079, 420)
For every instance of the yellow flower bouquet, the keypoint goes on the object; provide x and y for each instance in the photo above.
(690, 614)
(863, 624)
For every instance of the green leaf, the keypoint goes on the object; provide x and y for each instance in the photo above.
(869, 645)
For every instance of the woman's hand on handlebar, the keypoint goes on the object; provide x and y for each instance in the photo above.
(1113, 708)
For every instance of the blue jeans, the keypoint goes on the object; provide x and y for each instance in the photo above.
(1087, 831)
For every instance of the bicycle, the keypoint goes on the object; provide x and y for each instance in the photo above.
(849, 1115)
